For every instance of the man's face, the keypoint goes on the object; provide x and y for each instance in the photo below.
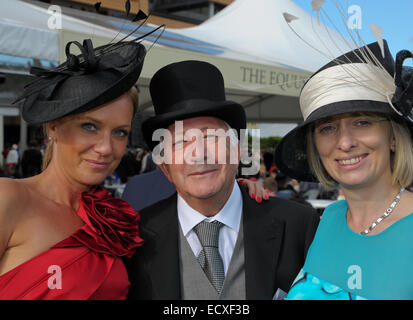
(208, 170)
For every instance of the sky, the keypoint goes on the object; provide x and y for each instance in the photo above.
(395, 17)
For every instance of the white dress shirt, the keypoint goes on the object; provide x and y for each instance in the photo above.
(229, 215)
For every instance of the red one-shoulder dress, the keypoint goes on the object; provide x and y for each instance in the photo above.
(86, 265)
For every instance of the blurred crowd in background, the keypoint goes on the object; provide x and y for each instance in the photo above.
(17, 164)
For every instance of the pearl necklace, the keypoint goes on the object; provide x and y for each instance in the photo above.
(386, 213)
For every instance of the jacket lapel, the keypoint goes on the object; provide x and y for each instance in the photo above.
(162, 252)
(263, 235)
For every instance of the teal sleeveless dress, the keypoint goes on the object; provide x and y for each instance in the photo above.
(344, 265)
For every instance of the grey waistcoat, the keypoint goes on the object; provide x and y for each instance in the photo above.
(195, 284)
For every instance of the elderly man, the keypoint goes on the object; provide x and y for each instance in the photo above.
(210, 240)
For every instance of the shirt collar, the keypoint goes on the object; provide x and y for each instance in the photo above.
(229, 215)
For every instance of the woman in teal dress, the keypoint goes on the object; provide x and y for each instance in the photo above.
(357, 135)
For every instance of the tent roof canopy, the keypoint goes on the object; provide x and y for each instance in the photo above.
(259, 29)
(263, 69)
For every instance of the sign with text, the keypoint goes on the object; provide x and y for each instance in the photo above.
(288, 82)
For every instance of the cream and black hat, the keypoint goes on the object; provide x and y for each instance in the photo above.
(362, 80)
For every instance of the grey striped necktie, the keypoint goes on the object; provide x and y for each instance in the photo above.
(209, 257)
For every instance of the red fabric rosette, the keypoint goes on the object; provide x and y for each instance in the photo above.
(111, 224)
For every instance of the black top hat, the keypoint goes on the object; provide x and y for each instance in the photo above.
(190, 89)
(361, 81)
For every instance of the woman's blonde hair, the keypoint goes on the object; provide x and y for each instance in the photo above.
(48, 154)
(401, 159)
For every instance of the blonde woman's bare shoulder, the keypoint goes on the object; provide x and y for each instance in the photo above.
(12, 201)
(13, 196)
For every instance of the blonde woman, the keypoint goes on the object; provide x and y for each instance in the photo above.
(357, 136)
(61, 235)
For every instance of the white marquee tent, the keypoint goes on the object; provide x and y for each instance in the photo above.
(258, 28)
(264, 64)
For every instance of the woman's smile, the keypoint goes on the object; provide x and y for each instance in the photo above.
(351, 162)
(97, 164)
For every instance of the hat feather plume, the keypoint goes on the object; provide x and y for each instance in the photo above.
(383, 82)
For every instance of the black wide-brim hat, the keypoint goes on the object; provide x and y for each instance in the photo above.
(291, 153)
(190, 89)
(84, 82)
